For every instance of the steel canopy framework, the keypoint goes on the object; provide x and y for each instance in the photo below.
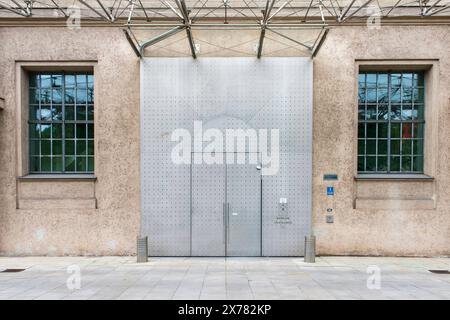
(302, 23)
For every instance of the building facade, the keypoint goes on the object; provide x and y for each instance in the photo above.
(380, 124)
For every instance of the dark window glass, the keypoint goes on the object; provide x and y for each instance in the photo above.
(61, 123)
(391, 122)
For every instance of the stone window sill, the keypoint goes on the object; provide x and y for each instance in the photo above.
(66, 177)
(395, 177)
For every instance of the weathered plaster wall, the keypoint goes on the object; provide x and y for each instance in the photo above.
(112, 227)
(397, 230)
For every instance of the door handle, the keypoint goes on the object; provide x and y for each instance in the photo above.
(228, 223)
(224, 210)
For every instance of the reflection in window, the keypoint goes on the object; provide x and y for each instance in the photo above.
(61, 123)
(391, 122)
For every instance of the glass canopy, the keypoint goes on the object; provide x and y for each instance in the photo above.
(299, 26)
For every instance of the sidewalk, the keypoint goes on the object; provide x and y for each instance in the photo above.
(220, 278)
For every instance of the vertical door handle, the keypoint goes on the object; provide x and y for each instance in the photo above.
(224, 210)
(228, 223)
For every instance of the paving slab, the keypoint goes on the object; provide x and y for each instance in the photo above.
(47, 278)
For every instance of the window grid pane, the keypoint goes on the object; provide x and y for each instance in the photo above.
(59, 103)
(390, 122)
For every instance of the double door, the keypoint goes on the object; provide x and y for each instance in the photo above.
(226, 209)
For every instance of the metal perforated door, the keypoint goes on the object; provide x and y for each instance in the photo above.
(244, 210)
(226, 210)
(207, 213)
(224, 93)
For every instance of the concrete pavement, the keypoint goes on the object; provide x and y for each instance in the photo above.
(220, 278)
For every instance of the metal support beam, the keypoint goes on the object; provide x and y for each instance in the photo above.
(19, 12)
(145, 11)
(346, 10)
(426, 10)
(321, 13)
(159, 38)
(430, 13)
(182, 7)
(187, 22)
(264, 22)
(117, 9)
(243, 26)
(332, 6)
(108, 15)
(356, 11)
(290, 39)
(279, 9)
(191, 42)
(395, 6)
(113, 10)
(307, 10)
(321, 38)
(60, 9)
(132, 44)
(26, 10)
(168, 5)
(130, 14)
(116, 15)
(261, 42)
(94, 10)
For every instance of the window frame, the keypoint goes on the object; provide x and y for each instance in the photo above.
(63, 121)
(435, 102)
(22, 70)
(415, 122)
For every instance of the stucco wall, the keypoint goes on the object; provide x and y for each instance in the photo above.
(112, 227)
(402, 227)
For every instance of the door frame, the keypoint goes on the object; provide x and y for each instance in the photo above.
(226, 206)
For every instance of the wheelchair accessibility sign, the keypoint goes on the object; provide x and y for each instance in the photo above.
(330, 191)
